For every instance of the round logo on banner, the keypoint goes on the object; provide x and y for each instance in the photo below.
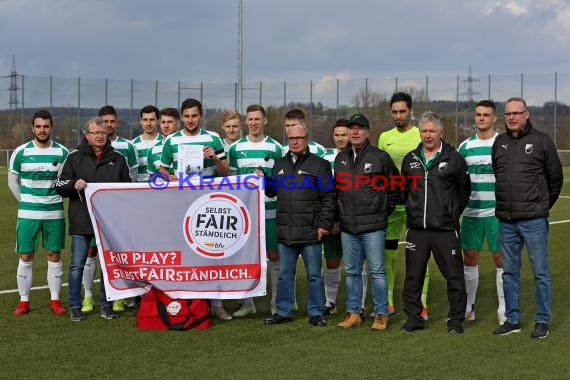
(216, 225)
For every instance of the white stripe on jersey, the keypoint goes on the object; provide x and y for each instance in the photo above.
(31, 214)
(45, 199)
(36, 184)
(38, 167)
(52, 151)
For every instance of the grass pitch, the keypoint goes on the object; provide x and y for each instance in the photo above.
(40, 345)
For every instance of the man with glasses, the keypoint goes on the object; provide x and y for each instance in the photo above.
(363, 210)
(529, 179)
(305, 214)
(479, 221)
(93, 161)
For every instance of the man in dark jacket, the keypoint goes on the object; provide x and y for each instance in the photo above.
(305, 214)
(436, 192)
(364, 203)
(93, 161)
(528, 182)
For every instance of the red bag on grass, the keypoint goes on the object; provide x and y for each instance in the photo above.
(158, 311)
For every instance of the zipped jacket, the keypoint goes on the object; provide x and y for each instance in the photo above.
(83, 164)
(364, 203)
(437, 195)
(305, 197)
(528, 174)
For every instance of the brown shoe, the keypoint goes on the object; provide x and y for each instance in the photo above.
(350, 320)
(380, 322)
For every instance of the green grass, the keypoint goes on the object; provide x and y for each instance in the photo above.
(41, 345)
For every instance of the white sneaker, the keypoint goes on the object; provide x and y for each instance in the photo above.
(245, 309)
(221, 313)
(502, 318)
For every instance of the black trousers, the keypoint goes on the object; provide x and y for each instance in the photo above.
(446, 248)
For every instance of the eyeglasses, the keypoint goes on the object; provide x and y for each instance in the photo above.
(98, 133)
(296, 138)
(517, 113)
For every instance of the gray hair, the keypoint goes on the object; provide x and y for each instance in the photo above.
(302, 126)
(432, 117)
(94, 120)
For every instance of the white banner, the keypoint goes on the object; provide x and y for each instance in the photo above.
(198, 238)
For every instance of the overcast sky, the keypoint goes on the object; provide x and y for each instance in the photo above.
(287, 40)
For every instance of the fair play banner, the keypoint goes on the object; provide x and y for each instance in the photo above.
(197, 238)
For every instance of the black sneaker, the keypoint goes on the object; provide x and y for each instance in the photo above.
(540, 331)
(410, 326)
(330, 310)
(76, 315)
(454, 327)
(317, 320)
(507, 328)
(108, 313)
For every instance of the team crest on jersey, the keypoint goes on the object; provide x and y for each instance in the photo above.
(216, 225)
(528, 148)
(367, 167)
(442, 166)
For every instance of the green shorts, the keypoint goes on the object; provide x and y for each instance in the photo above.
(396, 223)
(28, 230)
(332, 246)
(271, 235)
(475, 230)
(93, 243)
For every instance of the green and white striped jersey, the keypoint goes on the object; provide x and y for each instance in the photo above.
(127, 149)
(172, 143)
(143, 146)
(330, 155)
(477, 154)
(37, 169)
(246, 156)
(314, 147)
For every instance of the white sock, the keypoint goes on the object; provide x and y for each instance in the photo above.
(364, 286)
(88, 274)
(274, 275)
(24, 278)
(471, 284)
(500, 294)
(332, 284)
(54, 278)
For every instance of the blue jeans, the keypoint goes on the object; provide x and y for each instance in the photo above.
(79, 248)
(312, 256)
(512, 235)
(356, 248)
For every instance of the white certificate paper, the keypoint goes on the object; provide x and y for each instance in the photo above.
(191, 159)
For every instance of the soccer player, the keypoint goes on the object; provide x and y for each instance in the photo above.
(169, 124)
(297, 117)
(146, 140)
(31, 178)
(397, 142)
(257, 151)
(479, 220)
(215, 162)
(332, 246)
